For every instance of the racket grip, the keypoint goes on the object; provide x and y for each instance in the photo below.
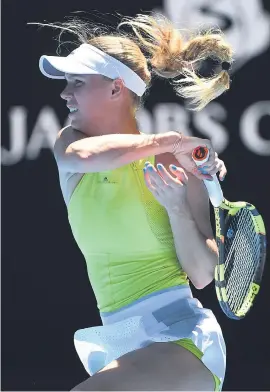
(200, 156)
(214, 191)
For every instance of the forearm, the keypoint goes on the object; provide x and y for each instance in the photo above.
(197, 254)
(109, 152)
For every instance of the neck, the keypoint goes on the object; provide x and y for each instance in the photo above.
(123, 123)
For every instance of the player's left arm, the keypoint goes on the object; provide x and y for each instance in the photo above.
(193, 235)
(198, 201)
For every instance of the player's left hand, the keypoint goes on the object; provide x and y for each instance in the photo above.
(217, 166)
(168, 188)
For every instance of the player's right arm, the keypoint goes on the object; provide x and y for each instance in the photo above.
(77, 153)
(74, 152)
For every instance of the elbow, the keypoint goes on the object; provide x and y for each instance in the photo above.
(206, 276)
(81, 154)
(201, 282)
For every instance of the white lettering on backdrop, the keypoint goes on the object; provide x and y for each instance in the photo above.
(209, 123)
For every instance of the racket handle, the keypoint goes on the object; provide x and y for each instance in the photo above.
(200, 155)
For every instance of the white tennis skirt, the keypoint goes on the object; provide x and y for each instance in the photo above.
(164, 316)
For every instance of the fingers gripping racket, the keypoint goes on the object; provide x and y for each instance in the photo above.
(241, 241)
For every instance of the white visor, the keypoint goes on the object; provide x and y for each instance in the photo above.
(88, 60)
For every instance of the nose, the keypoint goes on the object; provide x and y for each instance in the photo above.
(66, 94)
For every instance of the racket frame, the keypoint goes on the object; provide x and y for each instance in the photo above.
(220, 283)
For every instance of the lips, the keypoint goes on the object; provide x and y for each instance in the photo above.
(72, 105)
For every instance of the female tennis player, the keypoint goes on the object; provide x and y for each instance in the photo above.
(137, 205)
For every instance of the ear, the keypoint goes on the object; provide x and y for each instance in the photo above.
(117, 88)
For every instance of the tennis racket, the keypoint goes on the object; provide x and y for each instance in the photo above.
(241, 241)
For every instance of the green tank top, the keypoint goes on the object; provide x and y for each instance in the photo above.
(124, 235)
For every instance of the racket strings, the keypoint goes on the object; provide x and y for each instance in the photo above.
(242, 249)
(237, 272)
(241, 271)
(241, 275)
(240, 278)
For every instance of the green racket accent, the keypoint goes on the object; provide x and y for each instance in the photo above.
(248, 302)
(241, 240)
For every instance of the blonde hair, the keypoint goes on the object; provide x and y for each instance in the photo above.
(155, 42)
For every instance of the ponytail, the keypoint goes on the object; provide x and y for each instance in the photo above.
(180, 60)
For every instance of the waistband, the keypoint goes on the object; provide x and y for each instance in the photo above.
(151, 303)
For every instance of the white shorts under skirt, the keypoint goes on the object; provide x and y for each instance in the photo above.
(164, 316)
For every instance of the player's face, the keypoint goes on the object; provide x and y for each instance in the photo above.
(88, 99)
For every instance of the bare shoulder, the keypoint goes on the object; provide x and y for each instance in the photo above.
(68, 178)
(65, 137)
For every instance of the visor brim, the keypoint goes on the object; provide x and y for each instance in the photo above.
(55, 67)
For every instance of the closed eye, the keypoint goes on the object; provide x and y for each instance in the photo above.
(78, 83)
